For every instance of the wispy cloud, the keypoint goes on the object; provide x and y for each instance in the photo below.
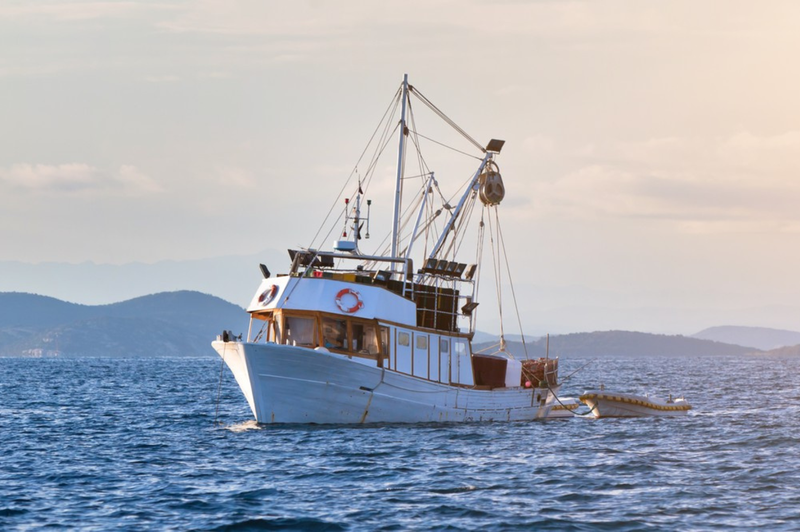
(705, 185)
(131, 179)
(77, 178)
(236, 177)
(72, 10)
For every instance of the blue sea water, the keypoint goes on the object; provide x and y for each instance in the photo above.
(100, 444)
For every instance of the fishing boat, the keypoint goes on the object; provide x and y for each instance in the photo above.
(611, 404)
(350, 336)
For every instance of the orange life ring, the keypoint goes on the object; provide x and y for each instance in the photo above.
(268, 295)
(353, 308)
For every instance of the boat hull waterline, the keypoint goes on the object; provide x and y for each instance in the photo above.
(606, 404)
(288, 384)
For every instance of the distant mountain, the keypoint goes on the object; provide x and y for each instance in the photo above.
(165, 324)
(233, 277)
(553, 309)
(787, 351)
(621, 343)
(484, 337)
(184, 323)
(756, 337)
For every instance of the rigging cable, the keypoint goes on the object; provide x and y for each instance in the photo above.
(497, 278)
(478, 261)
(447, 119)
(465, 219)
(384, 140)
(446, 146)
(510, 281)
(394, 103)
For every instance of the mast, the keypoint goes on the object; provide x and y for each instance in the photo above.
(400, 169)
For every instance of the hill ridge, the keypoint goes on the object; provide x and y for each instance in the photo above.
(184, 322)
(762, 338)
(176, 323)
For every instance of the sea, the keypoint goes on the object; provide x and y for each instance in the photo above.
(169, 444)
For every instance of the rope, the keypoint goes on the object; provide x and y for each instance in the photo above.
(393, 103)
(219, 385)
(446, 146)
(485, 349)
(510, 281)
(497, 279)
(464, 222)
(370, 171)
(478, 261)
(261, 332)
(555, 395)
(440, 114)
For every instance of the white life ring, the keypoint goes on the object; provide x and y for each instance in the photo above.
(353, 303)
(268, 295)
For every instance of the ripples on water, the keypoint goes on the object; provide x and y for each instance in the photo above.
(105, 443)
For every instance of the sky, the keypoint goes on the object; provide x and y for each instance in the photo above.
(652, 157)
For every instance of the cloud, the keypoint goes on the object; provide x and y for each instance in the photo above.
(236, 177)
(71, 10)
(735, 183)
(132, 180)
(253, 18)
(62, 177)
(76, 178)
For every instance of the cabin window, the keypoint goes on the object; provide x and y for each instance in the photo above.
(334, 333)
(365, 339)
(265, 324)
(385, 341)
(273, 331)
(279, 329)
(403, 339)
(461, 347)
(402, 352)
(422, 342)
(301, 331)
(444, 360)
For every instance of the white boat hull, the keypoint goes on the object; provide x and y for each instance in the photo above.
(607, 404)
(564, 408)
(288, 384)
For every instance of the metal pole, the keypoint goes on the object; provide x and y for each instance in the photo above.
(413, 238)
(400, 168)
(460, 205)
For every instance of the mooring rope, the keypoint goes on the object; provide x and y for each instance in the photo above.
(219, 385)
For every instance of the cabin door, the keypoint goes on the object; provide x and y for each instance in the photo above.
(443, 361)
(421, 355)
(433, 362)
(461, 362)
(402, 351)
